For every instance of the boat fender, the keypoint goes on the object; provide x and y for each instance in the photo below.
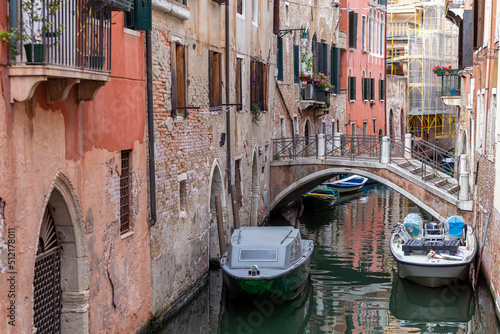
(431, 254)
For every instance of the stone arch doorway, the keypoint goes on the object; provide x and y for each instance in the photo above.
(254, 205)
(61, 283)
(216, 188)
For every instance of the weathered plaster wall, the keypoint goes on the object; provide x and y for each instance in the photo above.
(79, 144)
(396, 101)
(322, 24)
(189, 147)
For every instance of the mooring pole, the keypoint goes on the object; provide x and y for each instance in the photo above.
(481, 253)
(236, 209)
(220, 225)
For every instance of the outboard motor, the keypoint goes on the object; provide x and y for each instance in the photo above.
(432, 228)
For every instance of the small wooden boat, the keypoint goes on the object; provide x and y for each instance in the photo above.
(266, 262)
(321, 197)
(433, 255)
(349, 184)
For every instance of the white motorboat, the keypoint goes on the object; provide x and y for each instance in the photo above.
(435, 254)
(349, 184)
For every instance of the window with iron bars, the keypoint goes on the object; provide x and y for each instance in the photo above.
(125, 190)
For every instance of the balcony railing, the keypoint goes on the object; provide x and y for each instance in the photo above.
(72, 33)
(450, 83)
(399, 29)
(311, 92)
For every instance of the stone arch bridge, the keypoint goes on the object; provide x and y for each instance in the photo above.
(414, 169)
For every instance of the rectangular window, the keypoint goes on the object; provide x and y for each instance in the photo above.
(179, 77)
(364, 87)
(239, 7)
(335, 69)
(296, 60)
(296, 124)
(237, 181)
(363, 33)
(333, 127)
(323, 128)
(365, 128)
(215, 78)
(183, 195)
(258, 255)
(239, 81)
(372, 89)
(353, 29)
(125, 188)
(279, 58)
(255, 8)
(370, 35)
(381, 39)
(352, 88)
(374, 126)
(258, 84)
(381, 88)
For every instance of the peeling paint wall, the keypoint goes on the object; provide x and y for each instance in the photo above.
(396, 102)
(105, 276)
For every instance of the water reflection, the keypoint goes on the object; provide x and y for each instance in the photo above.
(353, 287)
(267, 316)
(448, 308)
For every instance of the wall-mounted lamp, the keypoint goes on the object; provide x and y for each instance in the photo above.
(303, 40)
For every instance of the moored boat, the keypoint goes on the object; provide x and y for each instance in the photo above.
(320, 197)
(433, 255)
(266, 262)
(349, 184)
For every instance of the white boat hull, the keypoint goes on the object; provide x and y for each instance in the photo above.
(438, 270)
(433, 276)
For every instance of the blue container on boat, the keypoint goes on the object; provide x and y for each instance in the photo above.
(455, 226)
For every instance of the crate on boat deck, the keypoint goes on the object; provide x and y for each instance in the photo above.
(413, 245)
(454, 226)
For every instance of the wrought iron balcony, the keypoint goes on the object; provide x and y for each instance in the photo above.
(61, 39)
(450, 83)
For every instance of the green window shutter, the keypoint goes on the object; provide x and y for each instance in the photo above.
(352, 88)
(355, 30)
(363, 88)
(280, 58)
(372, 89)
(139, 18)
(351, 27)
(324, 70)
(296, 60)
(335, 70)
(380, 89)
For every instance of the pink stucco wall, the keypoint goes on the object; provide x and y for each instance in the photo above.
(358, 63)
(80, 141)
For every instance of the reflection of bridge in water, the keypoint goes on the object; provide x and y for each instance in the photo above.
(426, 174)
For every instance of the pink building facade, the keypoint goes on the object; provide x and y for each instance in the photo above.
(74, 228)
(363, 66)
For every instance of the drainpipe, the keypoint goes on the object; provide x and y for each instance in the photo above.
(228, 113)
(151, 134)
(289, 115)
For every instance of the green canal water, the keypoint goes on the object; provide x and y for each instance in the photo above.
(353, 288)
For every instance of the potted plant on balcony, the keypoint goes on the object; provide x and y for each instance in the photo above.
(38, 23)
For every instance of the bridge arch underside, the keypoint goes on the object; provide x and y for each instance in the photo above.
(289, 182)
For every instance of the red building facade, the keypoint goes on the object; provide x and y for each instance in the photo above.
(363, 66)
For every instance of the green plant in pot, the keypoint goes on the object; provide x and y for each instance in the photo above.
(37, 25)
(256, 111)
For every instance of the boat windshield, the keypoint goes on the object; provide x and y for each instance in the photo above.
(259, 255)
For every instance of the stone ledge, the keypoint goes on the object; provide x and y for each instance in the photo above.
(24, 79)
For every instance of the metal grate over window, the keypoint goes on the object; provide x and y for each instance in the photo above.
(47, 280)
(125, 192)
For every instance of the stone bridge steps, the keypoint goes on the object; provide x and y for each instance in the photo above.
(444, 182)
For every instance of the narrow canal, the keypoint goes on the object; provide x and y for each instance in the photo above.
(353, 287)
